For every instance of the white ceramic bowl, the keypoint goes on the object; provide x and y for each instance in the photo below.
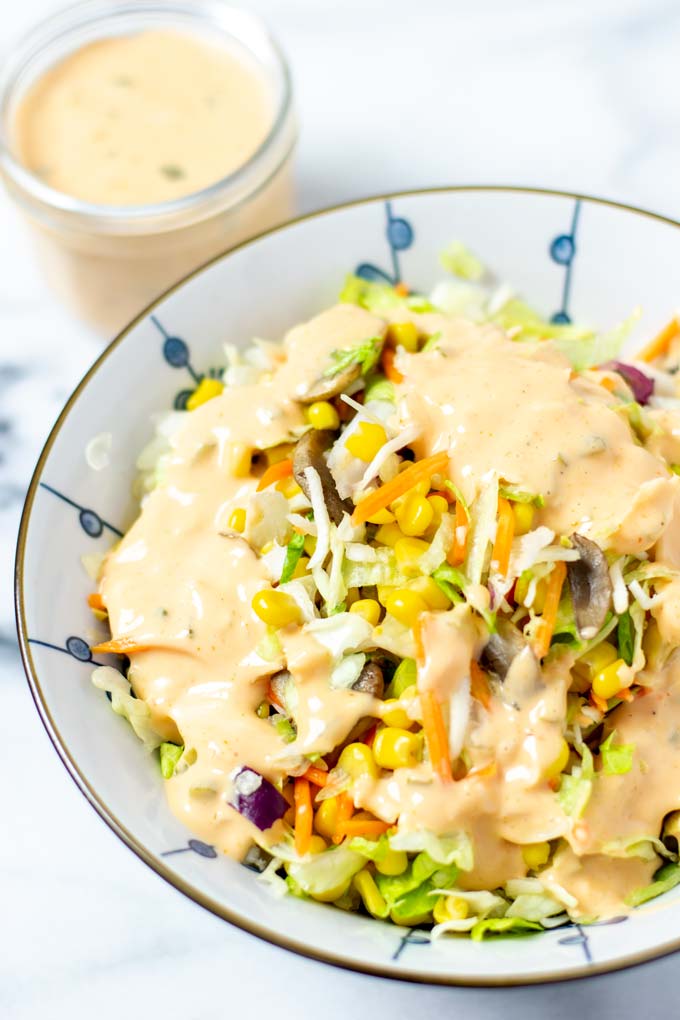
(569, 256)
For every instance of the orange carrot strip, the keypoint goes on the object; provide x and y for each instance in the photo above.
(391, 490)
(661, 342)
(392, 373)
(125, 646)
(598, 702)
(608, 384)
(546, 626)
(482, 771)
(436, 735)
(445, 494)
(505, 532)
(418, 641)
(316, 776)
(275, 472)
(273, 699)
(479, 684)
(625, 694)
(303, 815)
(401, 289)
(345, 812)
(362, 827)
(457, 552)
(95, 601)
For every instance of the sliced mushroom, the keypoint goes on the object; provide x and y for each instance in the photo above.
(502, 649)
(370, 680)
(590, 586)
(326, 387)
(309, 452)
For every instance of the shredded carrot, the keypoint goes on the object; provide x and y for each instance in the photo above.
(436, 735)
(392, 373)
(395, 488)
(304, 817)
(316, 776)
(345, 812)
(275, 472)
(625, 694)
(457, 552)
(95, 601)
(125, 646)
(661, 342)
(597, 702)
(553, 590)
(479, 684)
(418, 640)
(505, 532)
(401, 289)
(362, 827)
(608, 384)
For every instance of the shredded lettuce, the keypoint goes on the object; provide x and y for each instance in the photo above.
(379, 388)
(439, 546)
(518, 315)
(371, 849)
(136, 711)
(534, 906)
(665, 879)
(380, 297)
(576, 787)
(341, 633)
(415, 907)
(293, 554)
(482, 530)
(590, 350)
(625, 637)
(382, 570)
(319, 875)
(456, 258)
(452, 582)
(502, 926)
(516, 495)
(445, 850)
(365, 355)
(410, 896)
(170, 754)
(617, 759)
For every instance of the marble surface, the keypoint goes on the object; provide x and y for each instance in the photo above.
(391, 94)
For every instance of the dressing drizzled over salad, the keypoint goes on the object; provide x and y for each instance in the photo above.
(401, 610)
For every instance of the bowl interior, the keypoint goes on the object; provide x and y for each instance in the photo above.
(577, 258)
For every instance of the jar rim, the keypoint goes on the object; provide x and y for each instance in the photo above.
(225, 192)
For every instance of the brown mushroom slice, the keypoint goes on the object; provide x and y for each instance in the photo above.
(370, 680)
(327, 387)
(590, 586)
(309, 452)
(502, 649)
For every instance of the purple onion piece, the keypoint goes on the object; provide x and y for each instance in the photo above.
(257, 799)
(641, 385)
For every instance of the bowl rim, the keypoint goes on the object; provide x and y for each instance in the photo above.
(271, 934)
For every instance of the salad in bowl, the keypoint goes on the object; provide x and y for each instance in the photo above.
(399, 610)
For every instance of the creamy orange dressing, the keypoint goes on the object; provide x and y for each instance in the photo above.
(183, 580)
(142, 118)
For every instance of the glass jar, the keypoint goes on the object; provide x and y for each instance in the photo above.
(108, 262)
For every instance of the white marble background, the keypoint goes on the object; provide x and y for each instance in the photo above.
(392, 94)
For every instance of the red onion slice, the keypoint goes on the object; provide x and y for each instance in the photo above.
(257, 799)
(641, 385)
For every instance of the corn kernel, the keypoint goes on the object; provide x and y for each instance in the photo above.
(559, 763)
(357, 760)
(276, 608)
(381, 517)
(405, 676)
(310, 544)
(450, 908)
(610, 680)
(371, 896)
(408, 552)
(288, 487)
(393, 863)
(384, 591)
(237, 519)
(524, 517)
(389, 534)
(597, 659)
(431, 592)
(439, 507)
(535, 855)
(366, 441)
(403, 334)
(326, 817)
(317, 845)
(414, 515)
(205, 391)
(322, 415)
(238, 459)
(394, 748)
(406, 606)
(330, 895)
(369, 609)
(394, 714)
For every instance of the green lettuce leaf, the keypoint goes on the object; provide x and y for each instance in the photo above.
(394, 888)
(293, 554)
(371, 849)
(503, 926)
(625, 637)
(170, 754)
(617, 759)
(451, 581)
(379, 388)
(381, 297)
(588, 351)
(666, 878)
(416, 907)
(443, 850)
(517, 313)
(520, 496)
(365, 355)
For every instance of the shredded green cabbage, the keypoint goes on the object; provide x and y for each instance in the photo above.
(617, 759)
